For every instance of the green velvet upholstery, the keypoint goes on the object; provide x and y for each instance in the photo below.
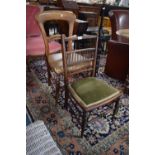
(91, 90)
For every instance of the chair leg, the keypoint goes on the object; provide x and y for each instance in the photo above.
(57, 89)
(84, 122)
(66, 97)
(49, 76)
(115, 108)
(27, 64)
(48, 72)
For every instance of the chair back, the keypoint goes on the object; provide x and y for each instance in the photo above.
(79, 60)
(56, 16)
(119, 20)
(32, 28)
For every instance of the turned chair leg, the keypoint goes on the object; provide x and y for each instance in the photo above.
(57, 89)
(49, 76)
(84, 122)
(28, 64)
(66, 97)
(115, 108)
(48, 71)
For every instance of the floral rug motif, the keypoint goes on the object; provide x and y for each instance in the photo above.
(101, 136)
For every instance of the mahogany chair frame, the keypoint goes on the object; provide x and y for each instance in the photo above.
(86, 55)
(55, 15)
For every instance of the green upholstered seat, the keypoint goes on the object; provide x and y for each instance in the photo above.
(90, 91)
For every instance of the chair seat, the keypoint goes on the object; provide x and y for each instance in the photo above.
(55, 62)
(91, 91)
(35, 46)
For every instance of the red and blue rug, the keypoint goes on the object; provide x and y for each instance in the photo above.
(101, 136)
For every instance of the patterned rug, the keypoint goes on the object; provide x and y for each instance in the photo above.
(101, 135)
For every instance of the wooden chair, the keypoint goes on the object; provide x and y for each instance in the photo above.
(55, 63)
(88, 92)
